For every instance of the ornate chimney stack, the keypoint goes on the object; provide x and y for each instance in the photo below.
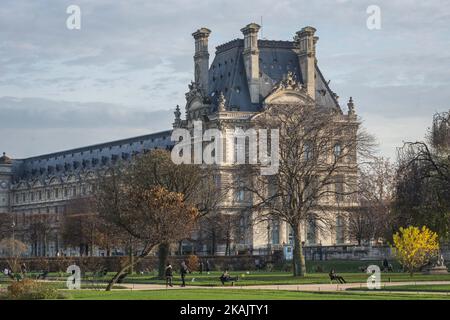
(251, 59)
(5, 182)
(201, 58)
(306, 42)
(351, 107)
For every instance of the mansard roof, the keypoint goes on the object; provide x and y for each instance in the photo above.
(79, 160)
(276, 59)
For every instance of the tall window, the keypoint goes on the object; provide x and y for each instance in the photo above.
(340, 230)
(339, 189)
(240, 193)
(308, 151)
(311, 231)
(275, 232)
(337, 150)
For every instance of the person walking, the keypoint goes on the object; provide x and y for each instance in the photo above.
(183, 271)
(169, 275)
(23, 268)
(200, 267)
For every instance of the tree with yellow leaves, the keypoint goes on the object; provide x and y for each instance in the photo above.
(414, 247)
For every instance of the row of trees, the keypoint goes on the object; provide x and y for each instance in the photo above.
(152, 203)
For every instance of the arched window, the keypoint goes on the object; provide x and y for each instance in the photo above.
(337, 150)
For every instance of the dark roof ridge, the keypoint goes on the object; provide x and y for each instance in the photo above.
(96, 146)
(264, 43)
(229, 45)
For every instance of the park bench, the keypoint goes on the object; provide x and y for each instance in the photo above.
(388, 268)
(101, 273)
(338, 278)
(229, 279)
(42, 275)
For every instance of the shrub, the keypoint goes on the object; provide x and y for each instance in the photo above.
(28, 289)
(192, 262)
(414, 247)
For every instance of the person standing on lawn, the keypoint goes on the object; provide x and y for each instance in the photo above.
(183, 271)
(169, 275)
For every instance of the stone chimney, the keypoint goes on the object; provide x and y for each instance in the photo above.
(306, 42)
(201, 58)
(5, 182)
(251, 59)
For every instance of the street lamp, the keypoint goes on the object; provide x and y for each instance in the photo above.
(13, 239)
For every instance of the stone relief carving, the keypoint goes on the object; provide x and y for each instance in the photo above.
(288, 83)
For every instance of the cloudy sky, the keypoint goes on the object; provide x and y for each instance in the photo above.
(128, 66)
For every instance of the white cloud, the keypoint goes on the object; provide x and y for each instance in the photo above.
(138, 55)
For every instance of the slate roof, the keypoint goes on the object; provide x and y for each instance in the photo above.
(226, 74)
(276, 58)
(89, 157)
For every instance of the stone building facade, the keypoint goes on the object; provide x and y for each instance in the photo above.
(245, 76)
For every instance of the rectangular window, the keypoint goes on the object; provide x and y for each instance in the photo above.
(340, 230)
(339, 189)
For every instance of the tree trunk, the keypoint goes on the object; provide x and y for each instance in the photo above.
(163, 253)
(298, 260)
(131, 258)
(213, 243)
(130, 264)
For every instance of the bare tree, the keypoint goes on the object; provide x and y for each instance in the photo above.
(13, 249)
(372, 218)
(39, 232)
(149, 216)
(197, 184)
(422, 194)
(6, 225)
(318, 151)
(83, 228)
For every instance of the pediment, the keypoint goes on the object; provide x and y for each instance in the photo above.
(288, 91)
(288, 96)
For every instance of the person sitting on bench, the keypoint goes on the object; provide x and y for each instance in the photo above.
(42, 275)
(225, 277)
(334, 276)
(387, 266)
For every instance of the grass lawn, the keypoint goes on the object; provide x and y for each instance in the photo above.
(224, 294)
(262, 278)
(253, 278)
(416, 288)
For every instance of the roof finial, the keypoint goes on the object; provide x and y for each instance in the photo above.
(221, 102)
(351, 107)
(177, 112)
